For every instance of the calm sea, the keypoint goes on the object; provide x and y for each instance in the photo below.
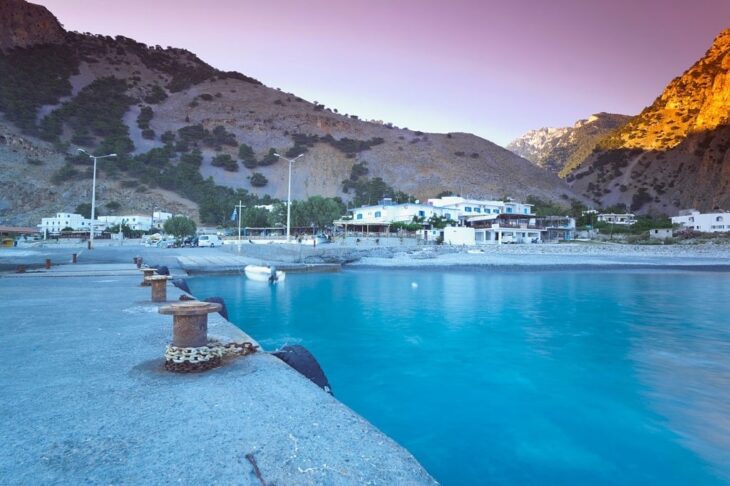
(549, 377)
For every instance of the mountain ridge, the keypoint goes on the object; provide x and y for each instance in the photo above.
(558, 149)
(171, 94)
(675, 153)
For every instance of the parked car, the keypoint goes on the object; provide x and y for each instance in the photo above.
(209, 240)
(189, 241)
(166, 244)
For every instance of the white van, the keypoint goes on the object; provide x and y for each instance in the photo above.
(209, 240)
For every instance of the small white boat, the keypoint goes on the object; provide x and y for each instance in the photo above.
(264, 274)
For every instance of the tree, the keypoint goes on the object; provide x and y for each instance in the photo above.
(84, 209)
(258, 180)
(225, 161)
(247, 156)
(180, 226)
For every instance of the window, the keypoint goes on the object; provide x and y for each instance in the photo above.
(359, 216)
(692, 219)
(526, 211)
(718, 219)
(422, 214)
(448, 215)
(467, 209)
(509, 210)
(477, 210)
(377, 214)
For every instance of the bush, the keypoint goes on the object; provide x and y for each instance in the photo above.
(65, 173)
(225, 161)
(156, 95)
(148, 133)
(258, 180)
(247, 156)
(270, 158)
(34, 161)
(145, 116)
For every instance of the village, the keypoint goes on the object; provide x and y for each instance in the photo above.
(447, 220)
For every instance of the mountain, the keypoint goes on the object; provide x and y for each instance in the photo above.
(193, 138)
(24, 24)
(675, 153)
(560, 149)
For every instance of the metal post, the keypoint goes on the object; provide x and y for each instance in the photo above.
(288, 205)
(288, 196)
(93, 208)
(93, 195)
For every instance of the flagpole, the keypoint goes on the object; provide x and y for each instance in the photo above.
(240, 210)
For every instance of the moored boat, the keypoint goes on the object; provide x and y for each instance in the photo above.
(261, 273)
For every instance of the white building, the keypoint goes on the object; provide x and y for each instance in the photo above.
(692, 219)
(55, 225)
(135, 222)
(626, 219)
(462, 208)
(159, 218)
(386, 212)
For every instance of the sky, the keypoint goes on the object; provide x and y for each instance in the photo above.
(495, 68)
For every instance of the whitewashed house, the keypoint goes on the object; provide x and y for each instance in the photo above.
(159, 218)
(387, 212)
(626, 219)
(136, 222)
(53, 226)
(506, 228)
(463, 208)
(692, 219)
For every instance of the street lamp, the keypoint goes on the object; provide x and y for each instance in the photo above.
(288, 195)
(93, 194)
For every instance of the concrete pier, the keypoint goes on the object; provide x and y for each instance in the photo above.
(86, 399)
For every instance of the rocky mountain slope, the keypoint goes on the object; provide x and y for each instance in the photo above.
(561, 149)
(182, 127)
(24, 24)
(676, 153)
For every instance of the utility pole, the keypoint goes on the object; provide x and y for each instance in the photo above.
(288, 196)
(239, 208)
(93, 195)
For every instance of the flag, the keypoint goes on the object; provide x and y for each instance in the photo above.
(234, 214)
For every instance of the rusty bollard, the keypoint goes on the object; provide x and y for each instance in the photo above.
(148, 272)
(159, 287)
(48, 264)
(189, 330)
(74, 257)
(21, 269)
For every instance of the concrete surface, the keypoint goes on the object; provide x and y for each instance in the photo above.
(85, 399)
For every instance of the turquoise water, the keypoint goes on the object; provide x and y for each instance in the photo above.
(613, 377)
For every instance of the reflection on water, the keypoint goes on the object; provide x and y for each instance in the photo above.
(519, 377)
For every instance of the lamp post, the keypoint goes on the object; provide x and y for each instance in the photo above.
(288, 195)
(93, 194)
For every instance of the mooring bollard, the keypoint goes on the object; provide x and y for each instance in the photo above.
(21, 269)
(48, 264)
(190, 322)
(147, 272)
(190, 350)
(159, 287)
(74, 257)
(135, 260)
(139, 262)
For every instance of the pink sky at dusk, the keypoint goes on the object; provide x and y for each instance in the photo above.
(496, 68)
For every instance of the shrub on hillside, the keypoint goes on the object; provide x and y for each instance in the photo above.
(258, 180)
(226, 162)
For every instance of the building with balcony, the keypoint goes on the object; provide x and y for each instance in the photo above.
(625, 219)
(56, 224)
(691, 219)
